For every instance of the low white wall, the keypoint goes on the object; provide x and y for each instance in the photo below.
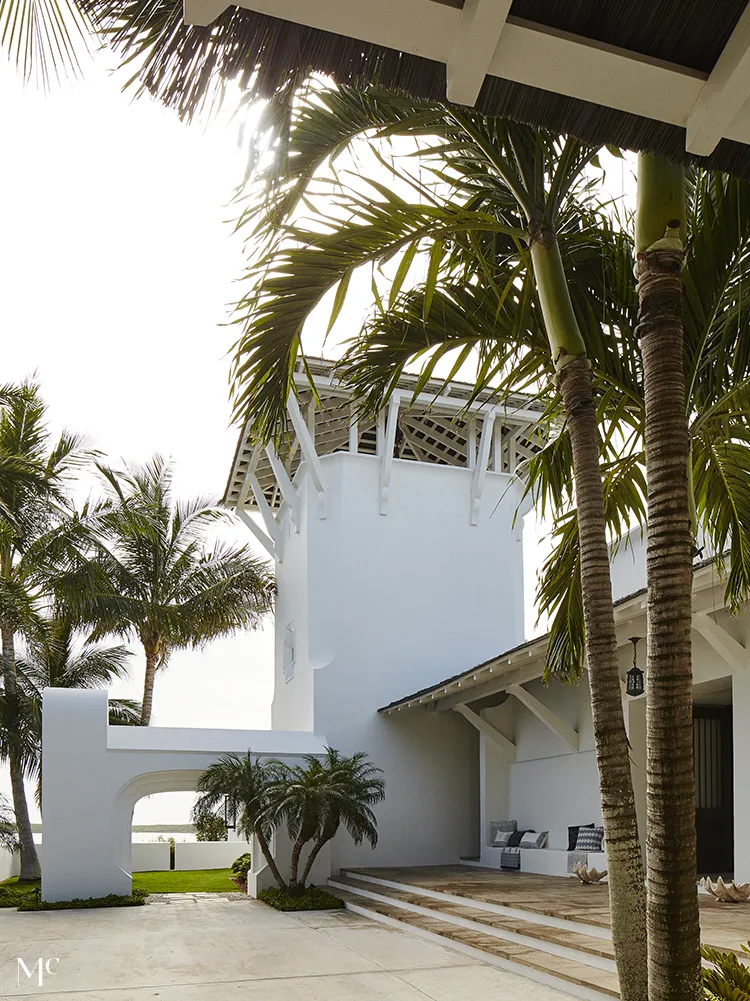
(150, 856)
(208, 854)
(10, 864)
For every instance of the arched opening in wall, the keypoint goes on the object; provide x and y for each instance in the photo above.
(154, 829)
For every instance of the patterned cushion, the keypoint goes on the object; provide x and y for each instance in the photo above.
(590, 839)
(533, 840)
(501, 825)
(502, 838)
(573, 835)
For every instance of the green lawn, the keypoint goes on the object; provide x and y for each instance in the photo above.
(190, 881)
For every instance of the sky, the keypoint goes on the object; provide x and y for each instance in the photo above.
(118, 263)
(117, 266)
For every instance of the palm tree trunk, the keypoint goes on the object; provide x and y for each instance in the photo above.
(148, 687)
(294, 888)
(29, 859)
(270, 860)
(627, 894)
(314, 852)
(672, 913)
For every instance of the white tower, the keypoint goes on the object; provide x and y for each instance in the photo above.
(399, 563)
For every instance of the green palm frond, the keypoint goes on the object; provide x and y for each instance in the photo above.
(728, 978)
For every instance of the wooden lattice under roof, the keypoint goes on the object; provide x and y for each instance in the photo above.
(438, 428)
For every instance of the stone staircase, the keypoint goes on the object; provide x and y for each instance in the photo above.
(571, 956)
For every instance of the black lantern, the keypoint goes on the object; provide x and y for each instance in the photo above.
(635, 684)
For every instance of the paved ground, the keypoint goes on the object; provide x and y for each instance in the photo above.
(218, 949)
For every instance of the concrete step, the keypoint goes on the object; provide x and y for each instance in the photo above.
(568, 944)
(576, 978)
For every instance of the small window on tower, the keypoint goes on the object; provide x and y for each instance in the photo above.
(289, 654)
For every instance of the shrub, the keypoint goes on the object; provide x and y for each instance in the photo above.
(210, 826)
(16, 894)
(171, 849)
(729, 978)
(242, 865)
(134, 899)
(313, 899)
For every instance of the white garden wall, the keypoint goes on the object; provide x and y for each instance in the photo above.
(208, 854)
(151, 856)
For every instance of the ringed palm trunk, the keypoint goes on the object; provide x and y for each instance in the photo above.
(29, 859)
(270, 860)
(148, 686)
(314, 852)
(624, 861)
(673, 925)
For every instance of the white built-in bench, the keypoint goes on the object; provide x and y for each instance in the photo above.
(547, 861)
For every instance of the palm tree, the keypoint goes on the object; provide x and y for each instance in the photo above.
(672, 909)
(355, 787)
(54, 661)
(8, 838)
(155, 577)
(243, 785)
(31, 513)
(504, 201)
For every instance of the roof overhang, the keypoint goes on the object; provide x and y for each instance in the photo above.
(669, 76)
(525, 663)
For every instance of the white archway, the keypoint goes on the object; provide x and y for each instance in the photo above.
(93, 775)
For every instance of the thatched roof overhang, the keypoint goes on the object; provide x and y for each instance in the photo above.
(667, 76)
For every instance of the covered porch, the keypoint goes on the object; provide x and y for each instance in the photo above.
(535, 744)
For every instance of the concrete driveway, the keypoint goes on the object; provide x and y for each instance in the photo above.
(213, 948)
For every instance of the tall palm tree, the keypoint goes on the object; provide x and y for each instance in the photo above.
(32, 509)
(506, 196)
(672, 908)
(243, 785)
(157, 578)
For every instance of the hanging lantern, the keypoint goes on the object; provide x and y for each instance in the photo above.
(635, 685)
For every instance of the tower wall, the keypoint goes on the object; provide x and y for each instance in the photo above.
(381, 605)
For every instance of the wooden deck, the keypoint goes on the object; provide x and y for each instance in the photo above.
(723, 926)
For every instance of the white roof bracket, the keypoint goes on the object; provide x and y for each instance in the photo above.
(731, 652)
(723, 94)
(500, 741)
(258, 532)
(474, 44)
(272, 526)
(480, 468)
(551, 720)
(309, 454)
(287, 488)
(386, 459)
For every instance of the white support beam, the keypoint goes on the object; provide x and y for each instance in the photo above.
(287, 488)
(202, 12)
(386, 459)
(474, 45)
(480, 469)
(732, 653)
(272, 526)
(471, 443)
(258, 532)
(309, 454)
(723, 94)
(500, 741)
(551, 720)
(353, 432)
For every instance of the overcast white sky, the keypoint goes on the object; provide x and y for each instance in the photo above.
(117, 266)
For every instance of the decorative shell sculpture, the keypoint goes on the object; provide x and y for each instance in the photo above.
(727, 893)
(587, 875)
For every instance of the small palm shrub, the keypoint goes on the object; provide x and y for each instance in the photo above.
(242, 865)
(728, 979)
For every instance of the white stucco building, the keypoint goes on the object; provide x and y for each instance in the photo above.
(400, 632)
